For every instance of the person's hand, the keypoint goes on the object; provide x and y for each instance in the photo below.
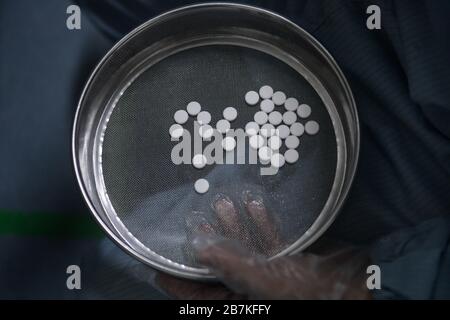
(245, 272)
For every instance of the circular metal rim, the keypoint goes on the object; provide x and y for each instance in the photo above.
(348, 178)
(122, 230)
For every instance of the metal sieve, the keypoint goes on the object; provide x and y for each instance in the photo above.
(212, 53)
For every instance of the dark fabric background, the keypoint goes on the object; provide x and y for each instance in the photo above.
(399, 76)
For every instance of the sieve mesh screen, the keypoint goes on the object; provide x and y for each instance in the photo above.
(152, 196)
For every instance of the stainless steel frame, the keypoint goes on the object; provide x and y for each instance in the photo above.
(192, 26)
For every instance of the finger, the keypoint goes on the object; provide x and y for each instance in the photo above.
(198, 223)
(336, 253)
(229, 220)
(186, 289)
(326, 246)
(340, 273)
(234, 265)
(262, 222)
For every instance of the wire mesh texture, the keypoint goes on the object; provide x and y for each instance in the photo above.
(152, 196)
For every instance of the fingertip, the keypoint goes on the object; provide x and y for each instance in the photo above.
(228, 217)
(221, 203)
(202, 242)
(198, 223)
(263, 223)
(253, 200)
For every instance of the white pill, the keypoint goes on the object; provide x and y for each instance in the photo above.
(266, 92)
(291, 156)
(267, 106)
(292, 142)
(275, 143)
(304, 111)
(206, 131)
(193, 108)
(275, 118)
(252, 98)
(260, 117)
(311, 127)
(199, 161)
(297, 129)
(204, 117)
(278, 98)
(256, 141)
(283, 131)
(277, 160)
(265, 153)
(267, 130)
(201, 186)
(176, 131)
(228, 143)
(289, 117)
(230, 113)
(223, 126)
(291, 104)
(252, 128)
(181, 117)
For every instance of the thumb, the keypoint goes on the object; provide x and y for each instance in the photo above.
(235, 266)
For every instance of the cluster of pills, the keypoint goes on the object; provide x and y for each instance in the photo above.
(206, 131)
(275, 124)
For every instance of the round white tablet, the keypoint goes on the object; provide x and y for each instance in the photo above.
(289, 117)
(228, 143)
(176, 131)
(283, 131)
(223, 126)
(297, 129)
(267, 106)
(181, 117)
(304, 111)
(204, 117)
(275, 143)
(277, 160)
(193, 108)
(265, 153)
(275, 118)
(278, 98)
(201, 186)
(251, 128)
(199, 161)
(252, 98)
(291, 156)
(312, 127)
(266, 92)
(206, 131)
(256, 141)
(292, 142)
(260, 117)
(230, 113)
(267, 130)
(291, 104)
